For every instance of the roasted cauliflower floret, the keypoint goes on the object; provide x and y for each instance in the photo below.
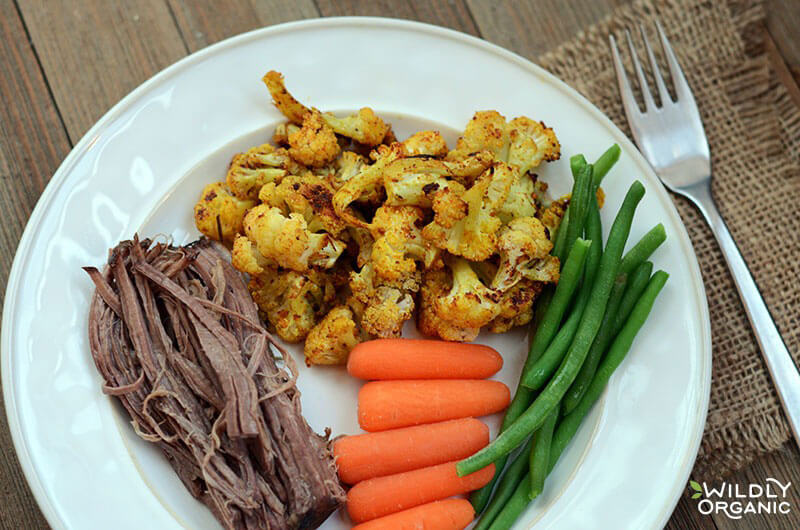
(330, 341)
(282, 132)
(469, 303)
(246, 258)
(530, 143)
(522, 245)
(399, 245)
(522, 142)
(448, 207)
(436, 284)
(218, 214)
(469, 168)
(365, 127)
(516, 306)
(386, 307)
(414, 181)
(283, 100)
(307, 195)
(485, 131)
(521, 201)
(315, 143)
(367, 182)
(287, 241)
(552, 214)
(428, 143)
(250, 170)
(362, 239)
(292, 302)
(348, 166)
(472, 236)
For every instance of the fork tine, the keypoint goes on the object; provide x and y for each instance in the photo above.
(682, 90)
(628, 99)
(649, 104)
(663, 93)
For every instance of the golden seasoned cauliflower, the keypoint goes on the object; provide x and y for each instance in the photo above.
(367, 182)
(485, 131)
(254, 168)
(365, 127)
(292, 302)
(218, 214)
(448, 207)
(472, 236)
(399, 245)
(523, 244)
(246, 258)
(307, 195)
(414, 181)
(469, 168)
(552, 214)
(362, 239)
(283, 100)
(330, 341)
(522, 143)
(348, 166)
(315, 143)
(428, 143)
(469, 229)
(436, 284)
(522, 198)
(530, 143)
(386, 307)
(469, 303)
(516, 306)
(282, 132)
(287, 240)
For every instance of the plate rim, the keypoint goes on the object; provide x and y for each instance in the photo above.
(59, 176)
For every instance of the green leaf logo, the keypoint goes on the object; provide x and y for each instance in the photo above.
(696, 487)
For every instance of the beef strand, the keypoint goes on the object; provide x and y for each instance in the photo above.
(177, 339)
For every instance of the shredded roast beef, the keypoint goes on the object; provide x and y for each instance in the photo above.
(177, 339)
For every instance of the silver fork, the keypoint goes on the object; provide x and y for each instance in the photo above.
(672, 139)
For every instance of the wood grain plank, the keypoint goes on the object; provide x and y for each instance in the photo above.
(205, 22)
(32, 143)
(782, 465)
(536, 26)
(94, 53)
(686, 517)
(451, 14)
(783, 21)
(781, 69)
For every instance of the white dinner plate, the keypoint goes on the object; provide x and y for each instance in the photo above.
(141, 168)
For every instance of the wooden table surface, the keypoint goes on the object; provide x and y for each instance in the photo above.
(63, 64)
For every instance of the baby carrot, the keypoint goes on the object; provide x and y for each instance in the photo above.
(422, 359)
(366, 456)
(386, 405)
(449, 514)
(381, 496)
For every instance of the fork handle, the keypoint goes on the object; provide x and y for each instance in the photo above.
(781, 366)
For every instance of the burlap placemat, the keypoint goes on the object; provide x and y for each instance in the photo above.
(754, 132)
